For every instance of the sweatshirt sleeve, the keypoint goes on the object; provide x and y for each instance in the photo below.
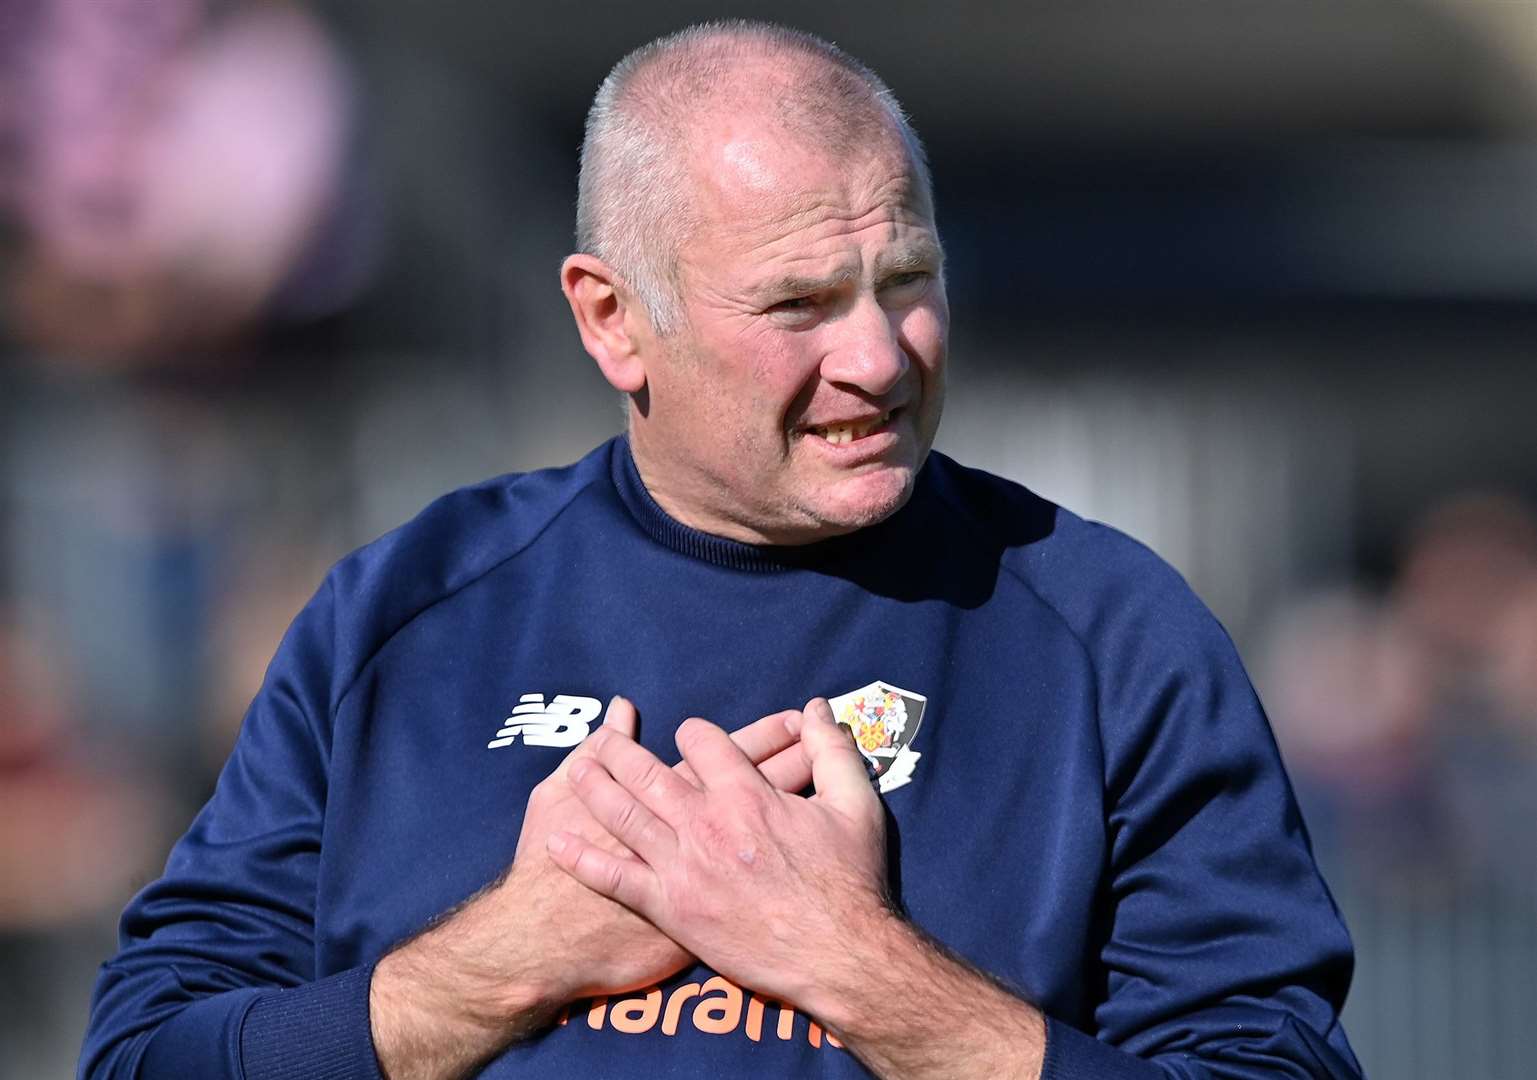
(215, 972)
(1225, 954)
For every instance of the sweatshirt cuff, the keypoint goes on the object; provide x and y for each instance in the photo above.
(318, 1031)
(1072, 1055)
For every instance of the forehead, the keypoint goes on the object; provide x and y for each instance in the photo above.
(762, 192)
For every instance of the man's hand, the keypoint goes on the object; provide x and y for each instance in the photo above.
(786, 895)
(769, 888)
(498, 968)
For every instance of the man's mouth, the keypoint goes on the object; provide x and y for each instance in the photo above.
(839, 434)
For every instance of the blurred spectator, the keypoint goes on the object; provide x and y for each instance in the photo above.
(1410, 722)
(1463, 568)
(1466, 595)
(72, 836)
(175, 178)
(74, 841)
(170, 172)
(1351, 710)
(125, 505)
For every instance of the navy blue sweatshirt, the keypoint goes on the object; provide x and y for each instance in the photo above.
(1096, 815)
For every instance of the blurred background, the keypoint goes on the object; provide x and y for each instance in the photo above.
(1256, 282)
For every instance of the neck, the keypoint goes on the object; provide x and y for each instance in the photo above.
(690, 497)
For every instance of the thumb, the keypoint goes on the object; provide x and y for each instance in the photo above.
(837, 767)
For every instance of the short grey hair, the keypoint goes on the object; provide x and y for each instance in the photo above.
(634, 204)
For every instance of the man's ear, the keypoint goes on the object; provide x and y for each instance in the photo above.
(612, 326)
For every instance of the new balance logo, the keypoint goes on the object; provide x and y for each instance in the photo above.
(565, 721)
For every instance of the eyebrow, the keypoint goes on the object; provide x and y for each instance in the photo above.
(912, 257)
(802, 285)
(917, 256)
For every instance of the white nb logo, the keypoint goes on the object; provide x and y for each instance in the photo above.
(565, 721)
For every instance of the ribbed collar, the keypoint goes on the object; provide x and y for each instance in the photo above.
(732, 554)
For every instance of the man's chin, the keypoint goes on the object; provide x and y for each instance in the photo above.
(857, 502)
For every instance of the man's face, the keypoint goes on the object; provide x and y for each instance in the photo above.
(802, 394)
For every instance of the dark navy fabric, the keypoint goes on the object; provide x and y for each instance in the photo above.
(1098, 817)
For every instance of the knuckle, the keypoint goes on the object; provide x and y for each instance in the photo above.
(649, 776)
(714, 837)
(614, 878)
(748, 803)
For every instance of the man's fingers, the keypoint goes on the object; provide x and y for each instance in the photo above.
(618, 877)
(620, 716)
(788, 770)
(762, 739)
(621, 812)
(837, 767)
(716, 760)
(642, 774)
(770, 742)
(765, 740)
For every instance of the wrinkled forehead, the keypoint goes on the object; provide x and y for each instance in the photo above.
(751, 177)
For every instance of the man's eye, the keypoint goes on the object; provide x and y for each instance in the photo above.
(796, 311)
(898, 281)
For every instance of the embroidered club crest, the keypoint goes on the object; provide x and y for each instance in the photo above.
(884, 720)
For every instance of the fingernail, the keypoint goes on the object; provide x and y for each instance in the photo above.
(556, 843)
(793, 723)
(580, 769)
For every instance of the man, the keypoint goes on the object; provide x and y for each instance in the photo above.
(1082, 859)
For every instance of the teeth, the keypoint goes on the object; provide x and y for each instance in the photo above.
(839, 434)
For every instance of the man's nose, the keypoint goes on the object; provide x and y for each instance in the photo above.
(868, 352)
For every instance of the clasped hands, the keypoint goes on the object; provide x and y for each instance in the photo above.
(627, 869)
(719, 857)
